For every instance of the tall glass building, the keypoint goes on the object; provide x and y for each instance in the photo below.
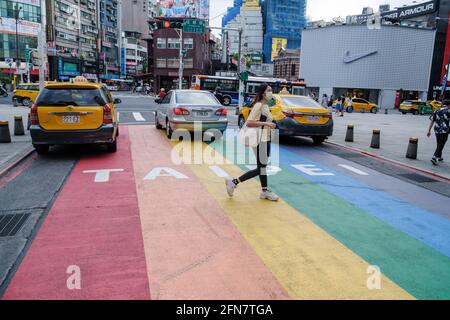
(284, 21)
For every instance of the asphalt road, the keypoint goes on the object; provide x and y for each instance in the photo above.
(153, 221)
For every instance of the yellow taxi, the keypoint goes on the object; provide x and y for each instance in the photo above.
(416, 107)
(361, 105)
(297, 116)
(25, 94)
(77, 112)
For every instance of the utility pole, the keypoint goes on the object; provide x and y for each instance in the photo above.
(180, 70)
(42, 40)
(16, 16)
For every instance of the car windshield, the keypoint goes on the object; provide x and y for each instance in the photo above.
(74, 97)
(407, 103)
(300, 102)
(196, 97)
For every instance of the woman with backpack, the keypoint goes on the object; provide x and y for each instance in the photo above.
(260, 117)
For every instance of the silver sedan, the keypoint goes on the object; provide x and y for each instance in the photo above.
(191, 110)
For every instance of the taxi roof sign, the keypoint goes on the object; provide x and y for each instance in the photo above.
(79, 79)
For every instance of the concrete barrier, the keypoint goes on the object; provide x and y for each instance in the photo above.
(413, 145)
(18, 126)
(5, 136)
(375, 144)
(350, 134)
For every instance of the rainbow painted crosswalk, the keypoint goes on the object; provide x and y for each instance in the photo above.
(143, 224)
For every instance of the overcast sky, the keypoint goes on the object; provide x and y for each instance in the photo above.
(316, 9)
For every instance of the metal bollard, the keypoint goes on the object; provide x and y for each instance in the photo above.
(411, 153)
(386, 111)
(349, 135)
(18, 126)
(5, 136)
(375, 139)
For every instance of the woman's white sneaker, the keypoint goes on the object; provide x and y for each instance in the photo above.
(269, 195)
(230, 186)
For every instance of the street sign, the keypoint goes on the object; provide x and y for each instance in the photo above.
(243, 76)
(194, 26)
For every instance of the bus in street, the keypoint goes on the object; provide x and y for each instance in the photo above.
(229, 86)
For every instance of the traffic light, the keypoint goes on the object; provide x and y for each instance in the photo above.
(173, 24)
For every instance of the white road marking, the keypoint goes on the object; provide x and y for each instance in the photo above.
(103, 174)
(138, 116)
(311, 170)
(352, 169)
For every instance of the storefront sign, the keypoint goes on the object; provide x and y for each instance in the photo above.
(403, 13)
(25, 28)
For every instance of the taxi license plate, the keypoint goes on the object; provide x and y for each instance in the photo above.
(312, 118)
(202, 113)
(71, 119)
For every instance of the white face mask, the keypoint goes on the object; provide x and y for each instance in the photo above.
(269, 95)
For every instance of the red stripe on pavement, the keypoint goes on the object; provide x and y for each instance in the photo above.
(93, 226)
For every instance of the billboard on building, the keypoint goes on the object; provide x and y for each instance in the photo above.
(26, 28)
(252, 4)
(277, 44)
(184, 9)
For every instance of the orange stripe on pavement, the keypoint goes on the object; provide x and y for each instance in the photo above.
(192, 249)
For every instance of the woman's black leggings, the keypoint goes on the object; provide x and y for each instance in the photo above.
(262, 153)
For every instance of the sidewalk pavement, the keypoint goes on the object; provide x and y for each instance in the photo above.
(20, 145)
(396, 129)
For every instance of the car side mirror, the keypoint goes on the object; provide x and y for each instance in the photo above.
(117, 101)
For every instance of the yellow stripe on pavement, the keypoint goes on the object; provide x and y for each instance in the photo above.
(308, 262)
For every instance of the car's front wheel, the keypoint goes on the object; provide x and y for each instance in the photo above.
(226, 101)
(374, 110)
(415, 112)
(26, 102)
(349, 109)
(41, 149)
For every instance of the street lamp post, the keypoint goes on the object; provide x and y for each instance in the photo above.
(16, 17)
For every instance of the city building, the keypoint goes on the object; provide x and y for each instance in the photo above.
(108, 57)
(136, 33)
(166, 53)
(432, 14)
(284, 22)
(249, 19)
(287, 64)
(371, 64)
(12, 45)
(72, 34)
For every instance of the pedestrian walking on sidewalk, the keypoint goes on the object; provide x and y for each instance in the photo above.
(260, 117)
(441, 121)
(343, 102)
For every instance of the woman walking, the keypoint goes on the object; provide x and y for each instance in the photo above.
(260, 117)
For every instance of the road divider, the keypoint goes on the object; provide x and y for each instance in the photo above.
(350, 133)
(375, 144)
(18, 126)
(5, 135)
(411, 153)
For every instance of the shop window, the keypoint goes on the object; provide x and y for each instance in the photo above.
(173, 43)
(173, 63)
(188, 63)
(161, 43)
(161, 63)
(188, 43)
